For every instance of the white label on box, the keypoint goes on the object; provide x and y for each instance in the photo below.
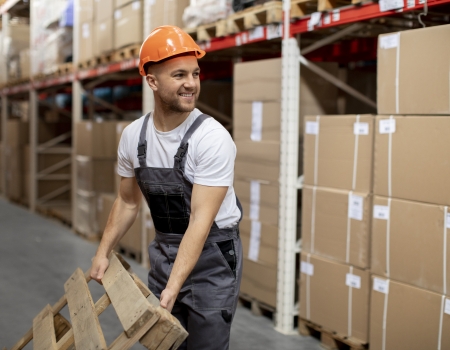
(389, 41)
(314, 20)
(387, 126)
(257, 121)
(312, 128)
(355, 207)
(136, 5)
(255, 240)
(381, 285)
(119, 128)
(410, 3)
(255, 190)
(448, 221)
(307, 268)
(353, 281)
(336, 15)
(244, 37)
(117, 14)
(361, 128)
(274, 31)
(102, 26)
(447, 306)
(381, 212)
(256, 33)
(89, 126)
(387, 5)
(85, 30)
(326, 18)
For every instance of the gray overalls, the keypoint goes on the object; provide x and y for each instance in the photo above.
(207, 301)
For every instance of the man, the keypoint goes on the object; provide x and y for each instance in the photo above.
(183, 163)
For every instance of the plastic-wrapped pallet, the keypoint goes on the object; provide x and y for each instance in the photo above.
(206, 11)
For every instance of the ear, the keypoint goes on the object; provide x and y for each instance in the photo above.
(152, 82)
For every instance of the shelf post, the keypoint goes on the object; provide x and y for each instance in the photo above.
(33, 118)
(4, 66)
(289, 139)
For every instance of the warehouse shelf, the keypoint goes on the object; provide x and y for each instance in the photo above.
(8, 5)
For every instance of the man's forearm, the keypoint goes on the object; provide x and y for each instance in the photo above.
(120, 219)
(189, 252)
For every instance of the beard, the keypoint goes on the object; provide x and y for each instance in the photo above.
(174, 104)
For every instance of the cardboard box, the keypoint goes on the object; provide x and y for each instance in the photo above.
(119, 130)
(87, 41)
(259, 241)
(336, 225)
(265, 152)
(406, 317)
(128, 25)
(97, 140)
(86, 9)
(259, 281)
(249, 169)
(427, 91)
(416, 253)
(14, 173)
(104, 36)
(411, 162)
(335, 296)
(94, 174)
(85, 216)
(256, 121)
(338, 152)
(259, 200)
(165, 12)
(250, 85)
(18, 133)
(104, 9)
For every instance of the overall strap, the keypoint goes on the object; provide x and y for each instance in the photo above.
(142, 145)
(180, 159)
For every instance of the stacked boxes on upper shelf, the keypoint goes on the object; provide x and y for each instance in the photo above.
(257, 129)
(336, 217)
(411, 220)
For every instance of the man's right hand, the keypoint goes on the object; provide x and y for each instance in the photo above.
(98, 268)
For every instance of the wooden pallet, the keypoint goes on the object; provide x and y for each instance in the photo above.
(300, 8)
(257, 308)
(90, 63)
(90, 236)
(137, 308)
(127, 52)
(326, 5)
(129, 252)
(62, 214)
(16, 81)
(329, 339)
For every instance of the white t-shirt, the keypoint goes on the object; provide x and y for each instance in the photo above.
(209, 160)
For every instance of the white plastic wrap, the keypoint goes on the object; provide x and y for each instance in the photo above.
(206, 11)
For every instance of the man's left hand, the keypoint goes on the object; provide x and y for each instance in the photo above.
(168, 299)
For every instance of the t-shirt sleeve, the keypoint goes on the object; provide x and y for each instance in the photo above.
(125, 166)
(216, 153)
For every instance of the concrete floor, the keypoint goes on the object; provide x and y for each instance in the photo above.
(38, 255)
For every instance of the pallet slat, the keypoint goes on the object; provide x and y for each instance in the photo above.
(44, 330)
(131, 306)
(85, 324)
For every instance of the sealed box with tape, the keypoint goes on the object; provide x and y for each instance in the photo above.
(410, 243)
(413, 72)
(407, 317)
(335, 296)
(338, 151)
(412, 158)
(336, 225)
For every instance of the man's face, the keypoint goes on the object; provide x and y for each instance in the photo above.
(177, 83)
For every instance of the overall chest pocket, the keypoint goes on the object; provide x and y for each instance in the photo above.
(168, 207)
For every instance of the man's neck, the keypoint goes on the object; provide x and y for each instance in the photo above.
(168, 120)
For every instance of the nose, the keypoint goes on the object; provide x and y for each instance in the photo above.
(190, 82)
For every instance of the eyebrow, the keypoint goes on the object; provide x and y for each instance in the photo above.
(185, 71)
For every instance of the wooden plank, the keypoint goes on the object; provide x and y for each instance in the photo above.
(67, 340)
(85, 324)
(131, 306)
(155, 336)
(44, 330)
(62, 326)
(175, 338)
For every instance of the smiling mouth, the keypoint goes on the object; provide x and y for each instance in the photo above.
(186, 95)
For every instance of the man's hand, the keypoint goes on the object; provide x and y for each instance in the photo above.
(168, 298)
(98, 268)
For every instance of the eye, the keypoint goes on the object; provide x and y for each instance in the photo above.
(196, 74)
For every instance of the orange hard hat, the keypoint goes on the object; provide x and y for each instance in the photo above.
(164, 42)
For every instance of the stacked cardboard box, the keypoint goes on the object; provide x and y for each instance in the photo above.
(336, 218)
(257, 124)
(411, 222)
(96, 154)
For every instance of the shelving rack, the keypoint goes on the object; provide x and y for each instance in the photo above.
(293, 39)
